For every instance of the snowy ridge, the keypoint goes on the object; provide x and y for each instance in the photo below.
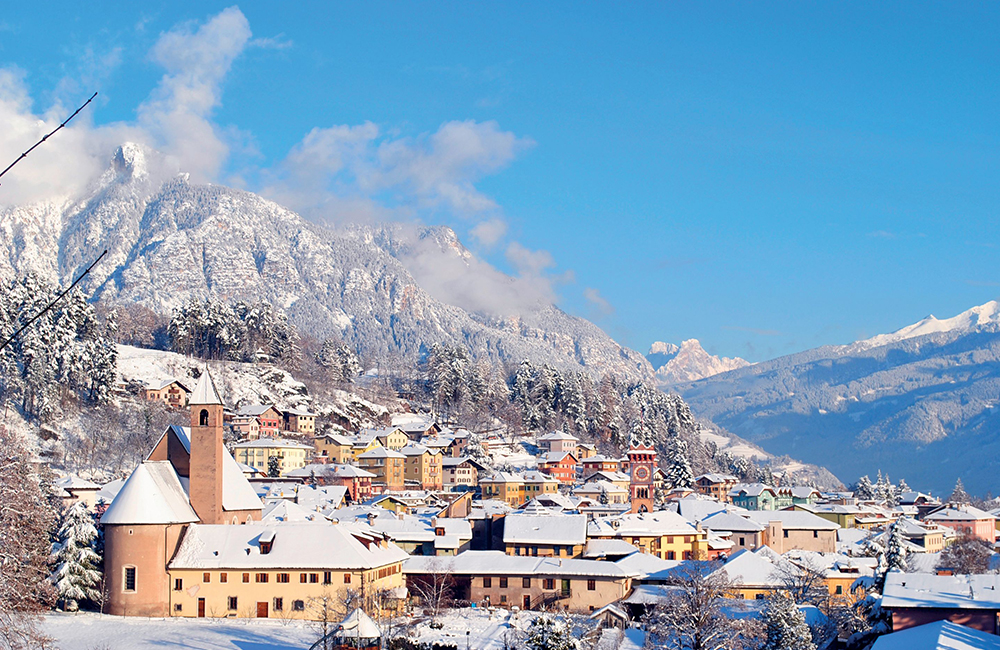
(966, 321)
(689, 362)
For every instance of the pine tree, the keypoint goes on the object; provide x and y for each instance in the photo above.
(959, 495)
(902, 487)
(785, 625)
(76, 575)
(273, 469)
(678, 469)
(864, 489)
(545, 633)
(881, 488)
(895, 548)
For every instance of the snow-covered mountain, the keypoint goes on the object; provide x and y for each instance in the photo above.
(687, 362)
(920, 403)
(385, 288)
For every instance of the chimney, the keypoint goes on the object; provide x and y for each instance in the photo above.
(206, 451)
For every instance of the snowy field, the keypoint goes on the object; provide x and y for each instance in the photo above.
(87, 631)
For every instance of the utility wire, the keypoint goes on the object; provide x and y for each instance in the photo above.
(53, 303)
(25, 154)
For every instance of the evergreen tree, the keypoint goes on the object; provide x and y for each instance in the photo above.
(895, 548)
(678, 469)
(785, 625)
(902, 487)
(76, 575)
(959, 495)
(545, 633)
(881, 488)
(864, 490)
(273, 469)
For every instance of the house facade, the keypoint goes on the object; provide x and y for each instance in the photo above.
(288, 454)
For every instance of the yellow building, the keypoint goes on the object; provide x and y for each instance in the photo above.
(281, 571)
(505, 487)
(424, 467)
(391, 437)
(335, 448)
(258, 453)
(663, 533)
(536, 484)
(387, 466)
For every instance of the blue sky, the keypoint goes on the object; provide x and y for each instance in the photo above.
(763, 178)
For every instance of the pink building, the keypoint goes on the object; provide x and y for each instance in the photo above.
(965, 519)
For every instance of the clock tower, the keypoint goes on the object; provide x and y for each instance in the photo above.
(642, 465)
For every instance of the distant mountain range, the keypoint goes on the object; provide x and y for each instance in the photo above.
(687, 362)
(380, 287)
(920, 403)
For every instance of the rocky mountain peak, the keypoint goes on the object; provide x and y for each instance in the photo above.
(688, 362)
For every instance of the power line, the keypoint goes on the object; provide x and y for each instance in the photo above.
(25, 154)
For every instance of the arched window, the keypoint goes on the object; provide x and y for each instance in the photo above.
(249, 519)
(203, 418)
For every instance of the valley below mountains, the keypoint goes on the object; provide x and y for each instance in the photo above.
(920, 404)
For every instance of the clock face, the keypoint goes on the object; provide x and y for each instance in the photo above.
(641, 473)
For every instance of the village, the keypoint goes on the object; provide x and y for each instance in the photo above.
(249, 513)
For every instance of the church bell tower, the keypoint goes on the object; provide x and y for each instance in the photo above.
(206, 451)
(642, 465)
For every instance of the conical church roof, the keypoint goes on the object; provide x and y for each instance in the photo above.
(204, 392)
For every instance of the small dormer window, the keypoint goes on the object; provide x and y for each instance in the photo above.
(266, 542)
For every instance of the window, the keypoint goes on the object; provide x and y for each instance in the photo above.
(759, 597)
(327, 577)
(313, 578)
(203, 418)
(347, 578)
(223, 577)
(298, 605)
(261, 577)
(130, 578)
(526, 583)
(487, 583)
(671, 555)
(232, 603)
(503, 598)
(178, 584)
(743, 542)
(815, 533)
(591, 585)
(206, 577)
(281, 577)
(548, 583)
(784, 533)
(503, 583)
(279, 604)
(178, 607)
(839, 590)
(246, 577)
(303, 578)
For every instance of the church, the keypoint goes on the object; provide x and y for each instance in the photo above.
(183, 537)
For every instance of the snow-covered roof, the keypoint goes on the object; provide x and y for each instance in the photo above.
(602, 548)
(413, 449)
(358, 625)
(74, 482)
(381, 452)
(596, 487)
(791, 519)
(556, 435)
(271, 443)
(297, 412)
(940, 635)
(696, 509)
(607, 475)
(204, 392)
(109, 491)
(285, 511)
(733, 523)
(645, 566)
(498, 563)
(551, 529)
(295, 546)
(753, 570)
(716, 478)
(751, 490)
(980, 591)
(959, 513)
(337, 471)
(555, 456)
(153, 494)
(254, 410)
(160, 385)
(661, 522)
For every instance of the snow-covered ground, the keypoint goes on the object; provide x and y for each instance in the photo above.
(486, 627)
(88, 631)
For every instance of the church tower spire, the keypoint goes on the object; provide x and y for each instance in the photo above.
(206, 451)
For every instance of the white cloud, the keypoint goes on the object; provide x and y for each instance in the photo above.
(178, 112)
(528, 262)
(598, 301)
(489, 232)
